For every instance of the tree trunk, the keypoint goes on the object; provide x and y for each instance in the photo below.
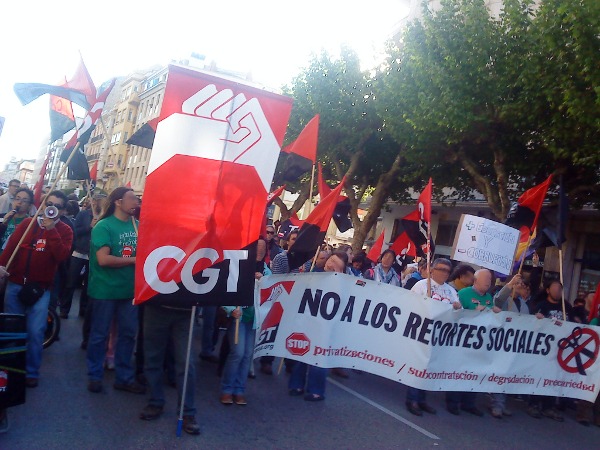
(286, 212)
(379, 197)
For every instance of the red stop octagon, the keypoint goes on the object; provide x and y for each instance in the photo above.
(297, 344)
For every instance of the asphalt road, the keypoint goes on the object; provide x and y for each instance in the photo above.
(363, 411)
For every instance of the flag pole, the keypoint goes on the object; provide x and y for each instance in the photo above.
(187, 368)
(314, 260)
(135, 227)
(429, 260)
(42, 203)
(312, 180)
(560, 269)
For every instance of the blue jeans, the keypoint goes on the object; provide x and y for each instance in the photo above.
(36, 316)
(235, 372)
(103, 312)
(209, 314)
(315, 381)
(415, 395)
(163, 326)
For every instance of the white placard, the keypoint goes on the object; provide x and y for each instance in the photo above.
(486, 243)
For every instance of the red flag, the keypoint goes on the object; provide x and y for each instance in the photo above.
(39, 184)
(144, 136)
(276, 193)
(324, 190)
(302, 153)
(305, 144)
(375, 251)
(595, 304)
(313, 229)
(82, 82)
(94, 172)
(403, 246)
(228, 135)
(526, 211)
(62, 119)
(418, 223)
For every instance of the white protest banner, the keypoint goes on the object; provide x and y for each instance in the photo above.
(486, 243)
(335, 320)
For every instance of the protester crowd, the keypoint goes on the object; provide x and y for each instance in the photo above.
(91, 245)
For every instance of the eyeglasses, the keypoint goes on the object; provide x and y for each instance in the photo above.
(442, 269)
(58, 205)
(23, 200)
(14, 185)
(270, 232)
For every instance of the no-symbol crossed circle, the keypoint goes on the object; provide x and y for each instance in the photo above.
(579, 341)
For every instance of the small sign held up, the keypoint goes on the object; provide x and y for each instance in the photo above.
(485, 243)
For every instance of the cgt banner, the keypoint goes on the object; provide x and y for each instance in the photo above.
(214, 154)
(335, 320)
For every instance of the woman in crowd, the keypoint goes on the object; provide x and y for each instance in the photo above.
(235, 372)
(383, 271)
(313, 378)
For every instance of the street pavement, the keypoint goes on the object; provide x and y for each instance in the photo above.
(361, 412)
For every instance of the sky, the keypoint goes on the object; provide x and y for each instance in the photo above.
(40, 41)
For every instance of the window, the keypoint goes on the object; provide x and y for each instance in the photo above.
(116, 138)
(130, 115)
(125, 135)
(445, 233)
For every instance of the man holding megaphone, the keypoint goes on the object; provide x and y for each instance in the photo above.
(31, 273)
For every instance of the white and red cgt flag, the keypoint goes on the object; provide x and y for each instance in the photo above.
(213, 159)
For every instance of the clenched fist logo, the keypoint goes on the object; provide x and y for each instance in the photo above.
(219, 125)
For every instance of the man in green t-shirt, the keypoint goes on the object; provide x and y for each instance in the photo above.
(475, 297)
(110, 290)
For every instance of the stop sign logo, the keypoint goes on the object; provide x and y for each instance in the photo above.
(297, 344)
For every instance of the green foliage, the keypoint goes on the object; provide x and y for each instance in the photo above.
(482, 103)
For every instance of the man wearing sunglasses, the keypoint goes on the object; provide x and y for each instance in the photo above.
(44, 247)
(273, 249)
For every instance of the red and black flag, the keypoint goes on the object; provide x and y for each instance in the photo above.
(144, 136)
(525, 213)
(62, 119)
(276, 193)
(313, 230)
(224, 137)
(79, 90)
(341, 215)
(375, 251)
(552, 222)
(417, 224)
(78, 167)
(302, 153)
(289, 225)
(404, 248)
(594, 310)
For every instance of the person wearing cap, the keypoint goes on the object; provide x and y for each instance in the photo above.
(419, 275)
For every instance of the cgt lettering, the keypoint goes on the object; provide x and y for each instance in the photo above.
(187, 277)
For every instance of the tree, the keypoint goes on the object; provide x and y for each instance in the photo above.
(352, 141)
(458, 92)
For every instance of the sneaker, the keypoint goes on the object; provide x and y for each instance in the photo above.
(31, 382)
(151, 412)
(338, 372)
(413, 408)
(240, 400)
(473, 410)
(226, 399)
(134, 388)
(95, 386)
(553, 414)
(497, 413)
(534, 412)
(427, 408)
(190, 425)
